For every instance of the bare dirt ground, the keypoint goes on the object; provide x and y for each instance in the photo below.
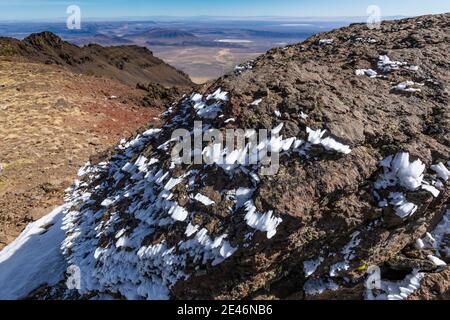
(204, 64)
(51, 122)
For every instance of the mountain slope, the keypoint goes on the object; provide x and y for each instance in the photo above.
(51, 122)
(128, 64)
(362, 184)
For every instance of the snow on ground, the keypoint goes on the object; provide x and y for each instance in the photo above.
(34, 258)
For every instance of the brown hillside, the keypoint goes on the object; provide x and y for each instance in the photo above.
(51, 122)
(128, 64)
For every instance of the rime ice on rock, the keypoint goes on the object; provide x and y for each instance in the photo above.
(314, 287)
(396, 290)
(315, 137)
(386, 65)
(398, 171)
(256, 102)
(118, 217)
(265, 222)
(239, 69)
(407, 86)
(326, 42)
(203, 199)
(441, 170)
(436, 240)
(368, 72)
(310, 266)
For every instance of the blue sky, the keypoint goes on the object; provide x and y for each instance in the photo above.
(51, 9)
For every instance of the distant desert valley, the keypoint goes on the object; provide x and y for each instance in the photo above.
(203, 47)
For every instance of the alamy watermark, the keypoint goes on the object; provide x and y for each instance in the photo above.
(374, 17)
(373, 280)
(73, 21)
(73, 281)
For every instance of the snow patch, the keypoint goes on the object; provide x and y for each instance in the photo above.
(34, 258)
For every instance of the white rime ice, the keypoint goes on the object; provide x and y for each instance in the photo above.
(244, 67)
(441, 170)
(91, 231)
(396, 290)
(203, 199)
(314, 287)
(256, 102)
(436, 261)
(436, 239)
(368, 72)
(326, 41)
(435, 192)
(407, 86)
(191, 229)
(315, 137)
(265, 222)
(310, 266)
(386, 65)
(348, 251)
(405, 209)
(331, 144)
(398, 170)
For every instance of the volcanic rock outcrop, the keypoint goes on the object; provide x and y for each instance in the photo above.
(358, 208)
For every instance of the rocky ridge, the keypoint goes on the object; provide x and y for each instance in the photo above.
(128, 64)
(361, 120)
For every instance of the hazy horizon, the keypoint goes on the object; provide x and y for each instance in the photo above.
(50, 10)
(205, 17)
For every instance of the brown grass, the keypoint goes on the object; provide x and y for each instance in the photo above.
(51, 122)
